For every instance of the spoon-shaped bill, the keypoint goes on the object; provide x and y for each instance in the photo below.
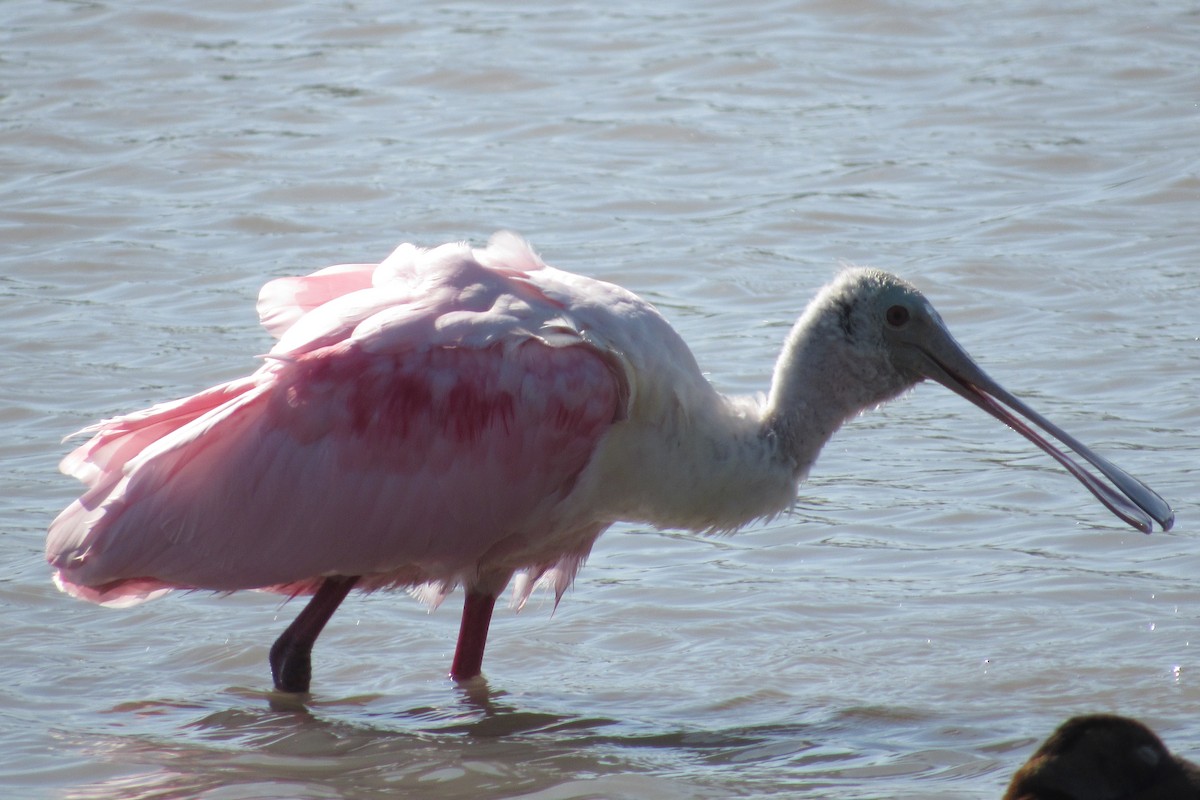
(1137, 504)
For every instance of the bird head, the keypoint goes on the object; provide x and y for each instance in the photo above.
(870, 335)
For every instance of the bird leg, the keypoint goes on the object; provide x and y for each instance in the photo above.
(472, 635)
(291, 655)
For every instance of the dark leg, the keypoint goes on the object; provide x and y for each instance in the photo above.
(472, 635)
(291, 655)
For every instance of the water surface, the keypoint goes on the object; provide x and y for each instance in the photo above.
(942, 595)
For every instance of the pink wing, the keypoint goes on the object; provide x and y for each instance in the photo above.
(415, 430)
(285, 300)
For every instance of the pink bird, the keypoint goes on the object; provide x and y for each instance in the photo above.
(473, 417)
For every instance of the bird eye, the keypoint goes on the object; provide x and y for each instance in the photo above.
(897, 316)
(1148, 754)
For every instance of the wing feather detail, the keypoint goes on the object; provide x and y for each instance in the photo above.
(419, 422)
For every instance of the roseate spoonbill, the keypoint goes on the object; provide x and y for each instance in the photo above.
(1102, 756)
(460, 417)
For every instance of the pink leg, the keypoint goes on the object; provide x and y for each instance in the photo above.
(291, 655)
(472, 635)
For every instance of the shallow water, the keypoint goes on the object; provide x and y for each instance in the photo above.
(942, 595)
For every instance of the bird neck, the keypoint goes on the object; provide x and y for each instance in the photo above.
(690, 458)
(814, 391)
